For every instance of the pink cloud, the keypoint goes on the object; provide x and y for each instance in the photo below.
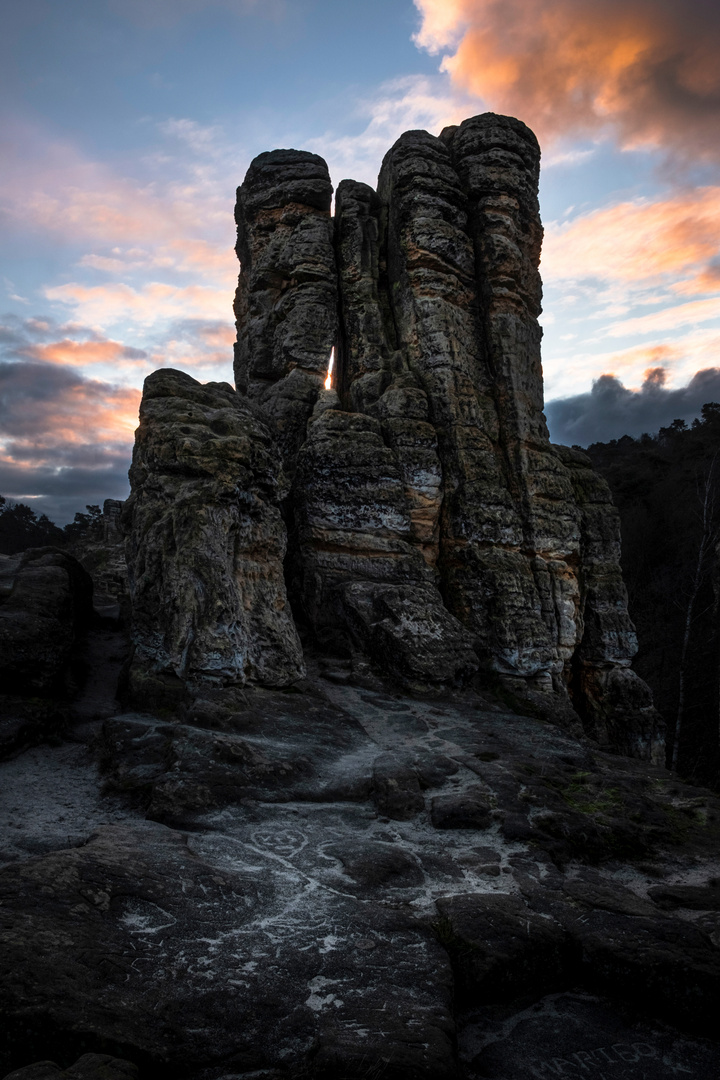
(670, 318)
(697, 349)
(107, 304)
(82, 353)
(182, 224)
(51, 413)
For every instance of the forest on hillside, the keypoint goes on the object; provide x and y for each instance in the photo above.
(667, 490)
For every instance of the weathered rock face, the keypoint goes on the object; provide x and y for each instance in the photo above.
(45, 604)
(428, 484)
(286, 301)
(364, 578)
(616, 704)
(102, 554)
(206, 542)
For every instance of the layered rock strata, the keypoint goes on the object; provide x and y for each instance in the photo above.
(206, 542)
(365, 582)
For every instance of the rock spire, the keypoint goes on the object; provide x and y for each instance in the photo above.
(432, 526)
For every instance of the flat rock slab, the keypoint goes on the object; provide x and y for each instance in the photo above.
(575, 1035)
(222, 957)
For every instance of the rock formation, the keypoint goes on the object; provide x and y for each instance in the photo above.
(437, 433)
(102, 553)
(432, 527)
(45, 604)
(205, 540)
(45, 609)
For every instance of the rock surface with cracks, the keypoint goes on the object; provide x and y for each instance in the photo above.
(206, 542)
(345, 881)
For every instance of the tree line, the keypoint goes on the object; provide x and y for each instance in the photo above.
(21, 528)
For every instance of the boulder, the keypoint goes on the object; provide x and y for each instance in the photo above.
(45, 611)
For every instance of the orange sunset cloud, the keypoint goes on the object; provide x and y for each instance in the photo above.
(81, 353)
(53, 419)
(104, 304)
(641, 241)
(648, 67)
(49, 187)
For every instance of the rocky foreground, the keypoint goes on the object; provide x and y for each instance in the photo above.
(345, 881)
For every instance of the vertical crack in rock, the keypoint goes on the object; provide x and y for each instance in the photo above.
(368, 486)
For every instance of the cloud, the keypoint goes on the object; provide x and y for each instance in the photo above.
(179, 218)
(670, 318)
(202, 347)
(58, 408)
(14, 329)
(81, 353)
(611, 410)
(624, 269)
(108, 304)
(62, 494)
(645, 69)
(681, 358)
(403, 104)
(643, 241)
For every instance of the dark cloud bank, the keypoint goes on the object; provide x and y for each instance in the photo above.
(610, 410)
(62, 441)
(60, 445)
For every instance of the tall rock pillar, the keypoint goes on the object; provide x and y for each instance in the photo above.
(286, 300)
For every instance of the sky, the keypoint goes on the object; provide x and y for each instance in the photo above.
(126, 126)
